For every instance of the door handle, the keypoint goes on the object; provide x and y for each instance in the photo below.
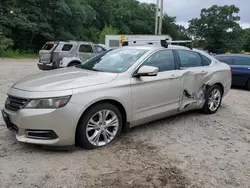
(203, 72)
(174, 77)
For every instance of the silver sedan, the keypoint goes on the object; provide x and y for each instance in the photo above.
(92, 103)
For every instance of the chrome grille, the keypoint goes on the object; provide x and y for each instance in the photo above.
(14, 103)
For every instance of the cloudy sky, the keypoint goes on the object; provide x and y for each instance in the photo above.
(185, 10)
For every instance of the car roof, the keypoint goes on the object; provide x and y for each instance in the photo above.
(155, 47)
(235, 55)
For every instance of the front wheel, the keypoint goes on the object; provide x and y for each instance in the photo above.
(100, 125)
(213, 99)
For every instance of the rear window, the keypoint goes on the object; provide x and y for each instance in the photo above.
(240, 61)
(67, 47)
(223, 59)
(48, 46)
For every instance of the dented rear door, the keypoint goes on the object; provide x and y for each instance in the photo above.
(194, 79)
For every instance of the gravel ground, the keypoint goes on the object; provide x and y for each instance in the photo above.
(190, 150)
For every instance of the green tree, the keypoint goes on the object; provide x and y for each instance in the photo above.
(108, 30)
(5, 43)
(246, 45)
(218, 27)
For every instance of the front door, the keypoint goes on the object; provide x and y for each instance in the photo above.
(157, 95)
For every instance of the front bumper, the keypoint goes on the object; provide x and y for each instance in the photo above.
(55, 127)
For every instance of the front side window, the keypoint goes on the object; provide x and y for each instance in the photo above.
(116, 61)
(67, 47)
(241, 61)
(164, 60)
(189, 59)
(99, 49)
(84, 48)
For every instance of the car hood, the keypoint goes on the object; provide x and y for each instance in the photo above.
(63, 79)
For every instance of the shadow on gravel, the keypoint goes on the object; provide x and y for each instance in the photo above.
(170, 121)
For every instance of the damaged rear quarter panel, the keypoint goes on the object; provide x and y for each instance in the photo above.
(196, 80)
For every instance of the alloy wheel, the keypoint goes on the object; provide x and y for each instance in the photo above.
(214, 100)
(102, 127)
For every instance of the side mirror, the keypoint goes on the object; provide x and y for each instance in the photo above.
(147, 71)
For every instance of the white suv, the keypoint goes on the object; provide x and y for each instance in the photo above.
(66, 54)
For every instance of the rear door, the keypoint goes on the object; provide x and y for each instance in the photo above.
(241, 70)
(85, 52)
(45, 54)
(196, 76)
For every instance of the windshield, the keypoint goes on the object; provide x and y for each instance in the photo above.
(116, 61)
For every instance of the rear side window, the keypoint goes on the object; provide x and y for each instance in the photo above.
(223, 59)
(47, 46)
(189, 59)
(85, 48)
(206, 61)
(241, 61)
(67, 47)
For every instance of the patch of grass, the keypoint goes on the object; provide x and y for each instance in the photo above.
(17, 54)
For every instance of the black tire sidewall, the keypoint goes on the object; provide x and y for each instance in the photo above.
(72, 64)
(206, 107)
(81, 136)
(248, 84)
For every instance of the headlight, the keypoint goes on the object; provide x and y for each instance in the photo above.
(48, 103)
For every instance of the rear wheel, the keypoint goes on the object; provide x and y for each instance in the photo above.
(72, 64)
(100, 125)
(213, 99)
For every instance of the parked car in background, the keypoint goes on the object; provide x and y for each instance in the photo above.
(65, 54)
(91, 103)
(240, 65)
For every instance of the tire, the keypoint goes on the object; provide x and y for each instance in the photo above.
(248, 84)
(91, 120)
(209, 108)
(73, 64)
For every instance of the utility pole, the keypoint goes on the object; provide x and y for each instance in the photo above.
(156, 17)
(161, 16)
